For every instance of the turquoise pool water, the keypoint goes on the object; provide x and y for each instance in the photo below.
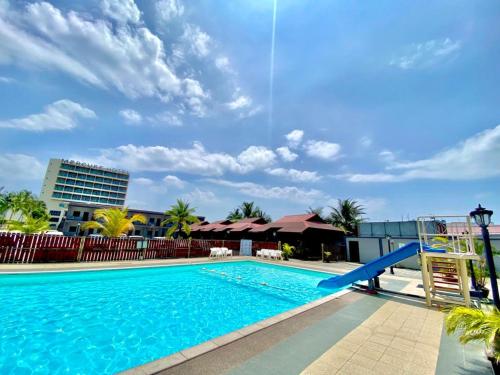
(102, 322)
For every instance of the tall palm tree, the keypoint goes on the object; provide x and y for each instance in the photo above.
(347, 215)
(248, 210)
(180, 217)
(24, 203)
(317, 211)
(30, 225)
(113, 222)
(235, 215)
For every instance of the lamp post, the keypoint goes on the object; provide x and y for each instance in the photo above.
(482, 217)
(389, 238)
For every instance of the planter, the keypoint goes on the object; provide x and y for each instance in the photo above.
(481, 293)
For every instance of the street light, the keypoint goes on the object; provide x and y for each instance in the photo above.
(482, 217)
(389, 238)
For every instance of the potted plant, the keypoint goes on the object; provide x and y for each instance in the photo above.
(327, 256)
(287, 251)
(477, 325)
(481, 273)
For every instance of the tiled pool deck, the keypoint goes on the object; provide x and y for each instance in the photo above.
(353, 333)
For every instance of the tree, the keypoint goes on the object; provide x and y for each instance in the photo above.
(317, 211)
(476, 325)
(30, 225)
(347, 215)
(113, 222)
(180, 217)
(24, 203)
(235, 215)
(248, 210)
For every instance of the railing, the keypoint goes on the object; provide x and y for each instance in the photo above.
(20, 248)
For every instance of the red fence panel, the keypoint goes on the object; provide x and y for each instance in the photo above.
(20, 248)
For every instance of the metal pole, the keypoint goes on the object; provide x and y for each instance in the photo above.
(491, 265)
(472, 275)
(389, 245)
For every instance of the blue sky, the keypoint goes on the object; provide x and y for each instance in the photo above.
(392, 103)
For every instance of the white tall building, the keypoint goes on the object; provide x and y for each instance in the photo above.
(71, 181)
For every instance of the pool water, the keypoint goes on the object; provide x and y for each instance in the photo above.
(97, 322)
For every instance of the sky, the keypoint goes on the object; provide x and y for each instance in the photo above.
(395, 104)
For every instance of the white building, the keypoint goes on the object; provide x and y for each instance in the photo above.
(71, 181)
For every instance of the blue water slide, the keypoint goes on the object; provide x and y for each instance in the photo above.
(373, 268)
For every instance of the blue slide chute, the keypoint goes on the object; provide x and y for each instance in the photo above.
(373, 268)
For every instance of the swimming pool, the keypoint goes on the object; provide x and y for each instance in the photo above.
(97, 322)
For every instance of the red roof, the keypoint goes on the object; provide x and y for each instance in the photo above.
(458, 228)
(297, 224)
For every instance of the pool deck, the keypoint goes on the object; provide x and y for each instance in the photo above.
(350, 333)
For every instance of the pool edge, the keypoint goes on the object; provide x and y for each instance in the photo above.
(182, 356)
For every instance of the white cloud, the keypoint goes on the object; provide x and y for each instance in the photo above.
(143, 181)
(169, 9)
(370, 177)
(365, 142)
(130, 59)
(198, 196)
(426, 54)
(285, 154)
(294, 174)
(256, 157)
(166, 118)
(130, 116)
(20, 167)
(239, 103)
(222, 63)
(174, 181)
(60, 115)
(387, 156)
(294, 138)
(323, 150)
(122, 11)
(476, 158)
(197, 41)
(6, 79)
(291, 193)
(195, 160)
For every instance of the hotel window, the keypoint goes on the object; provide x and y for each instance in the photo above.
(60, 180)
(72, 229)
(77, 197)
(68, 188)
(66, 196)
(56, 195)
(54, 219)
(58, 187)
(76, 213)
(84, 198)
(54, 213)
(98, 186)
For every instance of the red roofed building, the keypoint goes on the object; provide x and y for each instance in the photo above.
(306, 232)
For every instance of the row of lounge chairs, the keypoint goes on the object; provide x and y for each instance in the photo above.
(270, 254)
(220, 252)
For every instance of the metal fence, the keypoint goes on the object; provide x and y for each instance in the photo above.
(20, 248)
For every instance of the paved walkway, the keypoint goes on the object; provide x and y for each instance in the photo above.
(396, 339)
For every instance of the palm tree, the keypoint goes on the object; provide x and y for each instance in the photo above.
(317, 211)
(30, 225)
(476, 325)
(24, 203)
(180, 217)
(347, 215)
(113, 222)
(248, 210)
(235, 215)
